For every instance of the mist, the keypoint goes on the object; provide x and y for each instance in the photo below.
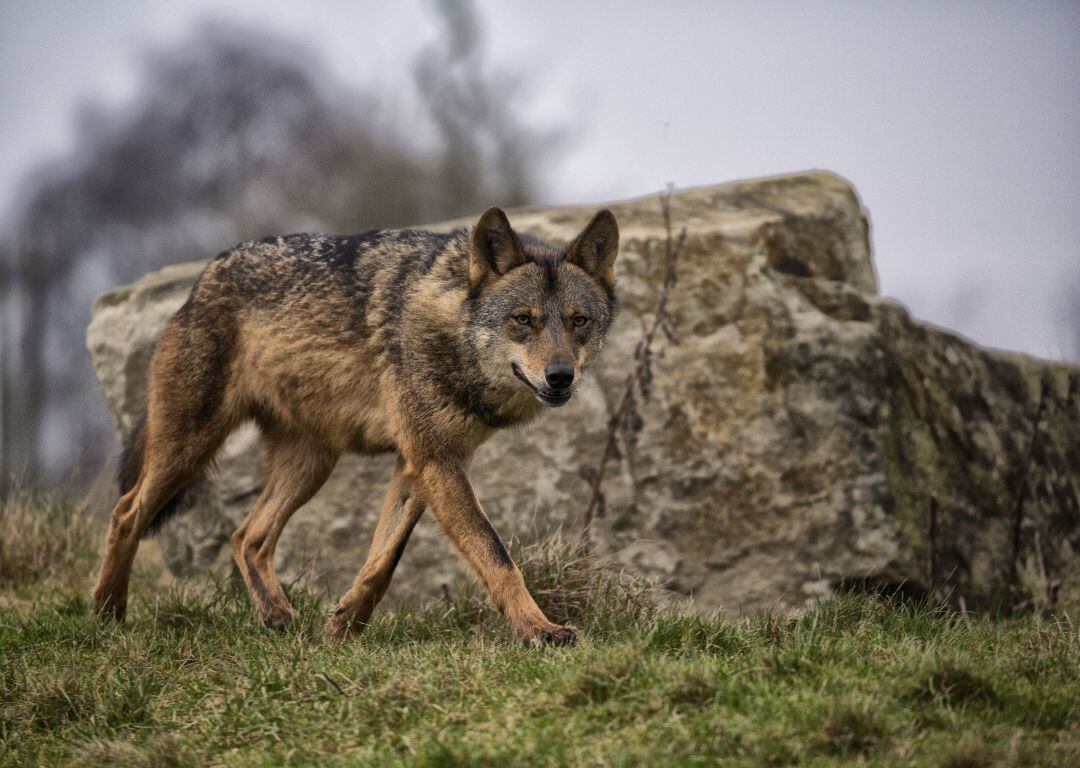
(126, 148)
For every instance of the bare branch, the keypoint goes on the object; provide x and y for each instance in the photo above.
(626, 419)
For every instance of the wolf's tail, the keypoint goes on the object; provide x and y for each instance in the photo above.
(131, 464)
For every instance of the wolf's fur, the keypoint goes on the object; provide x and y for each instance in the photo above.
(407, 341)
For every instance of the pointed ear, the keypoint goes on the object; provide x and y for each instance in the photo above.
(595, 249)
(495, 248)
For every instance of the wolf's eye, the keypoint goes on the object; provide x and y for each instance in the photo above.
(522, 319)
(580, 321)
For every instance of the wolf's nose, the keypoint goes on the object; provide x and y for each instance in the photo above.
(559, 375)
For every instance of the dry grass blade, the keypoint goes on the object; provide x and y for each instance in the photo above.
(45, 539)
(577, 586)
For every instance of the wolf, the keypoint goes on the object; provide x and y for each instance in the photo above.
(405, 341)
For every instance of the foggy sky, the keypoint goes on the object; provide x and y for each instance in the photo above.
(958, 123)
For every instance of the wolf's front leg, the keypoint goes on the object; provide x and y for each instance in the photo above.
(450, 497)
(400, 512)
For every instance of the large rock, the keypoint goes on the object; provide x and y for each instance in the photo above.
(804, 433)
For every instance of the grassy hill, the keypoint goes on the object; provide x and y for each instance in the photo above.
(191, 680)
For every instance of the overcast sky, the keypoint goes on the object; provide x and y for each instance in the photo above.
(959, 123)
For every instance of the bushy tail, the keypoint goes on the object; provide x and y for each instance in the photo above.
(131, 463)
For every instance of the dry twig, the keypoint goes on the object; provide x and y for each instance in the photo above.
(627, 419)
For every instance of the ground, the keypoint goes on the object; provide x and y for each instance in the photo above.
(192, 680)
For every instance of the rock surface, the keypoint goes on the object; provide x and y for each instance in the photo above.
(803, 433)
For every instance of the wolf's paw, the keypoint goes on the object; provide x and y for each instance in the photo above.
(279, 617)
(109, 605)
(552, 634)
(344, 623)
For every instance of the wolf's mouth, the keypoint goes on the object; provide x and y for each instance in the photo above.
(545, 395)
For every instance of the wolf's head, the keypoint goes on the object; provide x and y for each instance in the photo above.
(540, 315)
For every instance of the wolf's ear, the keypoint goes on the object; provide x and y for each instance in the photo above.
(595, 249)
(495, 248)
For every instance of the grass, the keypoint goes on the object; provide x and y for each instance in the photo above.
(191, 680)
(44, 539)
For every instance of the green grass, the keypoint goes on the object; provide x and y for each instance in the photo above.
(192, 680)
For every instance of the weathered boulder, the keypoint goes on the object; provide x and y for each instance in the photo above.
(802, 434)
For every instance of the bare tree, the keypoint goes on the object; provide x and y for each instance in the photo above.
(488, 152)
(232, 136)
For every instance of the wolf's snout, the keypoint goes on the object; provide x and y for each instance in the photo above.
(559, 375)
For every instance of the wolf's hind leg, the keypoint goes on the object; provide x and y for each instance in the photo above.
(297, 468)
(168, 467)
(130, 518)
(400, 512)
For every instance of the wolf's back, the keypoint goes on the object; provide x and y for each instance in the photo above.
(370, 273)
